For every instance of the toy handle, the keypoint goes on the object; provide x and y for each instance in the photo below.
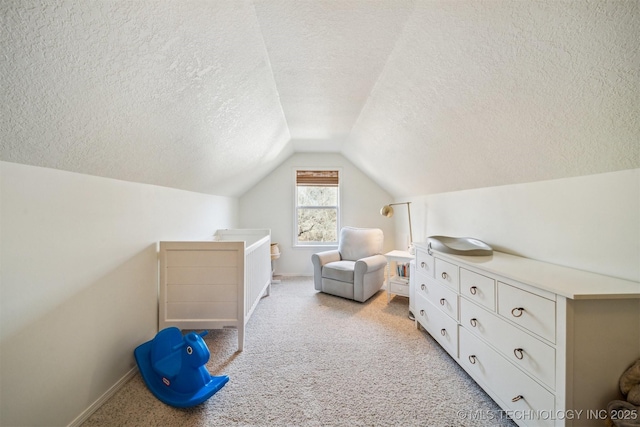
(182, 343)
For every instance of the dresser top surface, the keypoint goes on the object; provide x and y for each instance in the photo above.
(564, 281)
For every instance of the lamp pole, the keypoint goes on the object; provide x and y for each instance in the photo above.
(409, 211)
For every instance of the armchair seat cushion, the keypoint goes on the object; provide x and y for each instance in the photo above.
(341, 271)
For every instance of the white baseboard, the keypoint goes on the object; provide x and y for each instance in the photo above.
(102, 399)
(293, 275)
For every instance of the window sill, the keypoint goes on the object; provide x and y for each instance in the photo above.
(316, 246)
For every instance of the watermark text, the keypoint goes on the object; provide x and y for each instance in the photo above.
(534, 415)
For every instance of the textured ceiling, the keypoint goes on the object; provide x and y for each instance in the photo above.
(424, 96)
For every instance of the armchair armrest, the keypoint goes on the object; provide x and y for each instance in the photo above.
(319, 259)
(368, 276)
(322, 258)
(369, 264)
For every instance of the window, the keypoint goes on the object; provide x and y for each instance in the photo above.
(317, 201)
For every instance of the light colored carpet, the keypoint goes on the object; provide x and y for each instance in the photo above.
(312, 359)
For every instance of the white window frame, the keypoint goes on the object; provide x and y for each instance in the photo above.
(295, 208)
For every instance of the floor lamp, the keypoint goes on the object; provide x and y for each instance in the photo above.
(387, 211)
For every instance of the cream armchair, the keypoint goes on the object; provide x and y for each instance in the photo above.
(356, 269)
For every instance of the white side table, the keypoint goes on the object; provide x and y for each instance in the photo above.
(395, 284)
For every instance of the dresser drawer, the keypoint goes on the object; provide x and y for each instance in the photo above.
(522, 349)
(425, 263)
(533, 312)
(440, 296)
(440, 326)
(478, 288)
(447, 273)
(505, 380)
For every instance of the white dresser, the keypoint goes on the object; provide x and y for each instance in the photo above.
(547, 343)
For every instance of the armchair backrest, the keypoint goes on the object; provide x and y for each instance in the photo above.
(357, 243)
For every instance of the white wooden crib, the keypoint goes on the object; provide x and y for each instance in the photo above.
(214, 284)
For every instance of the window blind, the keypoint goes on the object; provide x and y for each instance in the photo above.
(324, 178)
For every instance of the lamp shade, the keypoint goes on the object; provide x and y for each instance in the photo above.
(386, 211)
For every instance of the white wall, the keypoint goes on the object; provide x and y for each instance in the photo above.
(78, 282)
(589, 222)
(270, 204)
(78, 288)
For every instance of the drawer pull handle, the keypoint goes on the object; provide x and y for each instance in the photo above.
(422, 264)
(519, 397)
(443, 332)
(442, 301)
(519, 353)
(474, 322)
(517, 312)
(429, 251)
(423, 287)
(473, 290)
(422, 313)
(444, 275)
(472, 359)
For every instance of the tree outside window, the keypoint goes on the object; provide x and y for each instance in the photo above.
(317, 205)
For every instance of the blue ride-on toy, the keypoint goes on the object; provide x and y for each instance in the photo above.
(173, 368)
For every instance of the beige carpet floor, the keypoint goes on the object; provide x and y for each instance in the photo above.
(312, 359)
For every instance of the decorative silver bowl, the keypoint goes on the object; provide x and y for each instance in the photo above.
(459, 246)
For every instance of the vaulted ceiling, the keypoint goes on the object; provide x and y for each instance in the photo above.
(424, 96)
